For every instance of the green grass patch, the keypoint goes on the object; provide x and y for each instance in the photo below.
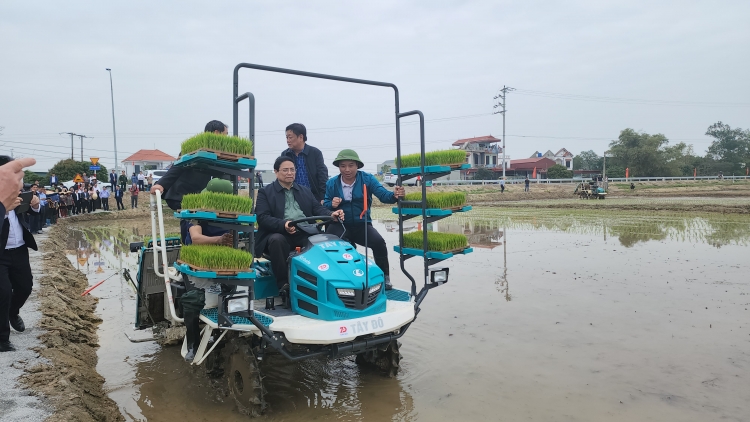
(216, 142)
(436, 241)
(434, 158)
(438, 199)
(217, 202)
(216, 257)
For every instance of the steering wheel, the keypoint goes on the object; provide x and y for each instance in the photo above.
(325, 218)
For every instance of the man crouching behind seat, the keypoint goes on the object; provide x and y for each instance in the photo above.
(279, 203)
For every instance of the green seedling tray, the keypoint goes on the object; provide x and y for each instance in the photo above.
(213, 216)
(433, 254)
(432, 212)
(211, 159)
(241, 275)
(431, 169)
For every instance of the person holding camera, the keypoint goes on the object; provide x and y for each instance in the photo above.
(15, 239)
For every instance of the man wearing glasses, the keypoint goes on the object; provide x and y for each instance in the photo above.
(279, 203)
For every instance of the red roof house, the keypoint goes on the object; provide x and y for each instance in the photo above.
(147, 159)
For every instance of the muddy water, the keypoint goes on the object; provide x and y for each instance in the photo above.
(554, 317)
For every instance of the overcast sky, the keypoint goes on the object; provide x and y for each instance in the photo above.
(671, 67)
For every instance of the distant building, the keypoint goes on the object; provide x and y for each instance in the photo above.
(562, 157)
(525, 167)
(147, 159)
(482, 151)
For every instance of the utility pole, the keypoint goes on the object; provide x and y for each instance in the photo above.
(501, 96)
(114, 134)
(71, 142)
(83, 136)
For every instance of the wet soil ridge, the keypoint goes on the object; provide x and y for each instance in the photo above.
(70, 380)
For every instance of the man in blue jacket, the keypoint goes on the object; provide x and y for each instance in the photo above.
(312, 172)
(346, 192)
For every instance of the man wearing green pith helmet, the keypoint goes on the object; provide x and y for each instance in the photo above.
(347, 192)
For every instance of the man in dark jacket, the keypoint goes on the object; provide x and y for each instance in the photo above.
(179, 181)
(279, 203)
(112, 179)
(15, 270)
(308, 160)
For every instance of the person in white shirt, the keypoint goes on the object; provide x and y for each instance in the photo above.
(15, 270)
(141, 180)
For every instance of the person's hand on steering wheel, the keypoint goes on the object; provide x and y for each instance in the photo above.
(290, 228)
(338, 215)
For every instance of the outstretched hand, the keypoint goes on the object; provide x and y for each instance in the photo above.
(11, 179)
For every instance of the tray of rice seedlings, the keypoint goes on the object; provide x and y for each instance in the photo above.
(438, 204)
(436, 242)
(216, 206)
(434, 161)
(211, 148)
(210, 261)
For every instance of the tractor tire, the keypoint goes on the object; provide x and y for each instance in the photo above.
(243, 378)
(387, 360)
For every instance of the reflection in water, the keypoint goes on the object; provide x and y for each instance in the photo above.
(481, 225)
(316, 389)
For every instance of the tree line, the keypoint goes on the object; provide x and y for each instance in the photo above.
(648, 155)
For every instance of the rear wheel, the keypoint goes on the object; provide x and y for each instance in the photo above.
(387, 360)
(243, 378)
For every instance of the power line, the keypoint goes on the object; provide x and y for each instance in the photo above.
(635, 101)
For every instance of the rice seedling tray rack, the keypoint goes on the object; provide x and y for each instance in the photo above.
(241, 278)
(430, 172)
(218, 216)
(433, 214)
(216, 160)
(433, 257)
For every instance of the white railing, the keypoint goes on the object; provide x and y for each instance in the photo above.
(511, 181)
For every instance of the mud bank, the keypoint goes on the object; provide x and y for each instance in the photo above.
(69, 342)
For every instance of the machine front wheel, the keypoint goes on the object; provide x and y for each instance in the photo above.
(388, 360)
(243, 378)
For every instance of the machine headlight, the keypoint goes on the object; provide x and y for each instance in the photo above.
(237, 305)
(345, 292)
(375, 288)
(439, 276)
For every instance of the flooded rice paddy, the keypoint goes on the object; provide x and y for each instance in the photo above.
(555, 316)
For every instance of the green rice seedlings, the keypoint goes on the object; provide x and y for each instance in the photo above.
(440, 200)
(436, 241)
(216, 257)
(220, 202)
(216, 142)
(434, 158)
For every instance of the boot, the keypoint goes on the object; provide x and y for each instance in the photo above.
(193, 334)
(388, 285)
